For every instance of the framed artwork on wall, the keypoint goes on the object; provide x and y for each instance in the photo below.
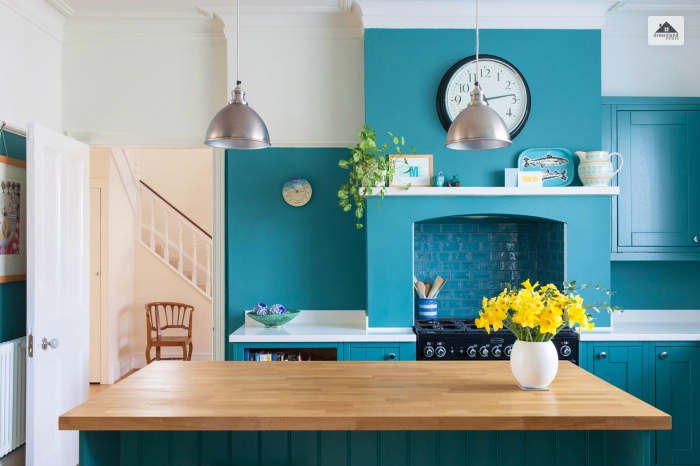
(13, 227)
(413, 169)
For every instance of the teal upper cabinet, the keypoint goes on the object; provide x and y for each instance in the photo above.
(657, 214)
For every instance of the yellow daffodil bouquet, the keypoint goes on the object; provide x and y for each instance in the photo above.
(536, 313)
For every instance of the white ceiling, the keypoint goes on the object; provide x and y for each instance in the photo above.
(192, 7)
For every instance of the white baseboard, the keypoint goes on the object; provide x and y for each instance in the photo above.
(15, 458)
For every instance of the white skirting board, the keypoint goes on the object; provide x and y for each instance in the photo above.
(14, 458)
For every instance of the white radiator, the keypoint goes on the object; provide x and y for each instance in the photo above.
(12, 394)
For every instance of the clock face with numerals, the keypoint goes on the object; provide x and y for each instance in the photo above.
(505, 90)
(296, 191)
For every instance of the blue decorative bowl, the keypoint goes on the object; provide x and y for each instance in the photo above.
(275, 320)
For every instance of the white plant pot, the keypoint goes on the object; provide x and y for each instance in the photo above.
(534, 364)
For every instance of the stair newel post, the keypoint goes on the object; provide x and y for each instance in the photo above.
(208, 286)
(194, 258)
(166, 250)
(179, 259)
(153, 225)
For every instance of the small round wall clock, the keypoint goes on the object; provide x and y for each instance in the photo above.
(505, 90)
(296, 191)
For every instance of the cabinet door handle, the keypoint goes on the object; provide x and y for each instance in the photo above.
(392, 356)
(696, 239)
(602, 355)
(663, 355)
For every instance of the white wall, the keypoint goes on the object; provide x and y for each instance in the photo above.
(630, 67)
(123, 318)
(142, 82)
(158, 82)
(153, 281)
(184, 177)
(30, 47)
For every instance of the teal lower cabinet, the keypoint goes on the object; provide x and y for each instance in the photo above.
(382, 351)
(364, 448)
(347, 351)
(664, 374)
(677, 392)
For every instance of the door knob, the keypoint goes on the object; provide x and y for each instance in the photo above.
(696, 239)
(392, 356)
(602, 355)
(45, 343)
(663, 355)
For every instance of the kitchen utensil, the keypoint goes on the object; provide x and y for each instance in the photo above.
(421, 289)
(437, 284)
(428, 287)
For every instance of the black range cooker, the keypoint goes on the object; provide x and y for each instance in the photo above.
(459, 339)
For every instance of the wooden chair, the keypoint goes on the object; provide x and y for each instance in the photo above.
(162, 316)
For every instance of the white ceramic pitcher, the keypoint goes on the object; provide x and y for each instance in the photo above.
(595, 168)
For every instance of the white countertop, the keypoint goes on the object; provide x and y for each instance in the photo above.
(649, 325)
(321, 327)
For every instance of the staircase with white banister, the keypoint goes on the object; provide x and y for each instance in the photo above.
(175, 239)
(165, 231)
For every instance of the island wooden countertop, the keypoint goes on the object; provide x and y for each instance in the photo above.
(401, 395)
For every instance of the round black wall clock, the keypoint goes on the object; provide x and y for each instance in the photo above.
(505, 90)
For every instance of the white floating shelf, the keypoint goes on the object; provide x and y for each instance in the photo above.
(498, 191)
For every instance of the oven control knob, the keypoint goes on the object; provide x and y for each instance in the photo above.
(496, 351)
(565, 351)
(440, 351)
(471, 351)
(507, 350)
(484, 352)
(428, 351)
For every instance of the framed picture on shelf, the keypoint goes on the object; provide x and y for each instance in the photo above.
(416, 169)
(13, 225)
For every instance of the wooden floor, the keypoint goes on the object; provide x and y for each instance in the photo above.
(96, 388)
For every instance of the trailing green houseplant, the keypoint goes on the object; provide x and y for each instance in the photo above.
(369, 171)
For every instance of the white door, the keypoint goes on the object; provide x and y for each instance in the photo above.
(57, 291)
(95, 285)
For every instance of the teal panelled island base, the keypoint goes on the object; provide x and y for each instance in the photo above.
(364, 448)
(360, 413)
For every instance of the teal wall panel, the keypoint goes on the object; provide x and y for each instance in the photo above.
(309, 257)
(403, 68)
(335, 448)
(363, 448)
(422, 451)
(274, 447)
(452, 448)
(245, 448)
(303, 448)
(185, 448)
(13, 295)
(655, 284)
(393, 449)
(156, 449)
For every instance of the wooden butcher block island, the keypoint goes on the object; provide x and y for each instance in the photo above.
(380, 409)
(413, 395)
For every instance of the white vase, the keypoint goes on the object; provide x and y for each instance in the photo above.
(534, 364)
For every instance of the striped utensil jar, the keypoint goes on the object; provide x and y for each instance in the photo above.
(427, 308)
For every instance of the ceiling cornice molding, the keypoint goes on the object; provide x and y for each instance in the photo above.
(448, 14)
(658, 7)
(40, 14)
(62, 7)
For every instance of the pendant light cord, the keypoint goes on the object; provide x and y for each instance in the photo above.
(238, 39)
(476, 78)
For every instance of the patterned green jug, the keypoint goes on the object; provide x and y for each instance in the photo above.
(595, 168)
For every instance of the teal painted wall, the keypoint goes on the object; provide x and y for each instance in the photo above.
(403, 68)
(390, 244)
(309, 257)
(13, 295)
(313, 257)
(656, 285)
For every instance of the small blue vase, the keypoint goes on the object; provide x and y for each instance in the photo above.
(427, 308)
(438, 180)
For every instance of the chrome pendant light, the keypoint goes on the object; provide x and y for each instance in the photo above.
(478, 126)
(237, 126)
